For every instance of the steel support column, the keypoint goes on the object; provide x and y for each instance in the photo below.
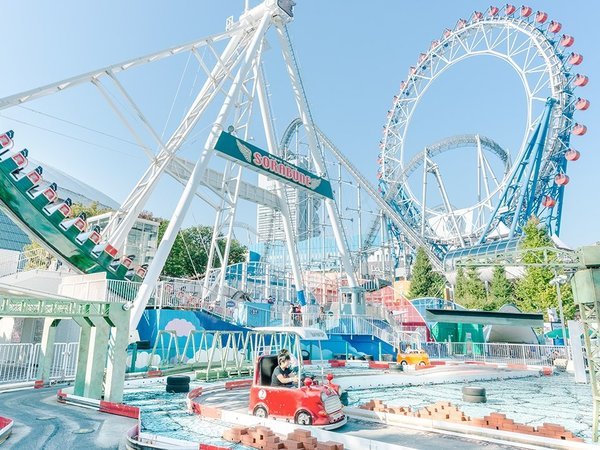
(96, 361)
(117, 356)
(47, 349)
(82, 355)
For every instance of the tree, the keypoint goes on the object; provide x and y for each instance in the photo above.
(534, 292)
(425, 282)
(91, 210)
(470, 292)
(502, 290)
(189, 254)
(459, 285)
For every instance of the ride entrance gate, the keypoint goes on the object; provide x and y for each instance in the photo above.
(103, 340)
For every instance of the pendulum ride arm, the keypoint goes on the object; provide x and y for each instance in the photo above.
(123, 220)
(259, 19)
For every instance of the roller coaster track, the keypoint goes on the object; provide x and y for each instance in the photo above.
(388, 209)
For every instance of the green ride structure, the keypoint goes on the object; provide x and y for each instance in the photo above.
(34, 204)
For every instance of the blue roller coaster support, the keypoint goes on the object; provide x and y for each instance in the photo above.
(528, 194)
(518, 200)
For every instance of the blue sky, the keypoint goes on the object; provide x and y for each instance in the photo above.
(352, 55)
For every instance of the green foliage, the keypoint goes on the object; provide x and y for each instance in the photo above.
(502, 290)
(469, 291)
(189, 255)
(459, 285)
(534, 292)
(93, 209)
(425, 282)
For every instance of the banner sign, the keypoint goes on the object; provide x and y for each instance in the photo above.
(255, 158)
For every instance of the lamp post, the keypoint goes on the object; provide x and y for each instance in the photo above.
(557, 281)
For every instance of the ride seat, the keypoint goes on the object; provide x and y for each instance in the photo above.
(267, 366)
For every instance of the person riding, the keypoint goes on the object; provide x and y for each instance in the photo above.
(282, 375)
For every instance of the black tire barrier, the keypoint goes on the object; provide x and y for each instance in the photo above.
(178, 380)
(474, 390)
(178, 388)
(474, 398)
(143, 345)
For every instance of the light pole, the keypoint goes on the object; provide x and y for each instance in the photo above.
(557, 281)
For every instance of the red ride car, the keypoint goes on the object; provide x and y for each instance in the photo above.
(311, 404)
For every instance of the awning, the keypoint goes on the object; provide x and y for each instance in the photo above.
(485, 317)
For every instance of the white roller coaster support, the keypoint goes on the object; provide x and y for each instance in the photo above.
(259, 18)
(385, 207)
(265, 110)
(438, 176)
(317, 156)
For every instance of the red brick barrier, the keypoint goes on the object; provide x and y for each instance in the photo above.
(447, 411)
(264, 438)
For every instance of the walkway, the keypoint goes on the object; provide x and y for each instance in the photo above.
(43, 423)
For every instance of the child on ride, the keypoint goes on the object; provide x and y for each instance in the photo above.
(282, 375)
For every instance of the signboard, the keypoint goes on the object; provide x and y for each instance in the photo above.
(273, 166)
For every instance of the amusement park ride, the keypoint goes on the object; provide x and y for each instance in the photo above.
(531, 180)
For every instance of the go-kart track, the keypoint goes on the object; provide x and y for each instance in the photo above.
(173, 421)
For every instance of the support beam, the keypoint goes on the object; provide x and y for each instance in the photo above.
(98, 349)
(117, 357)
(83, 355)
(47, 349)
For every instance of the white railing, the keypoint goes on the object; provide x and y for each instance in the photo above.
(121, 291)
(38, 258)
(19, 362)
(529, 354)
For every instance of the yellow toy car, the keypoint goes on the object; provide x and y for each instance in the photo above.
(413, 357)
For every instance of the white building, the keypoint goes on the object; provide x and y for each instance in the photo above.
(304, 212)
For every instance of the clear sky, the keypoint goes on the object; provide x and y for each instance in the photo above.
(353, 56)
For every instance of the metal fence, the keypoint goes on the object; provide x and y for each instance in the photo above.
(20, 362)
(530, 354)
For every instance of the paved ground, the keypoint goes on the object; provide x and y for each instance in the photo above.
(41, 423)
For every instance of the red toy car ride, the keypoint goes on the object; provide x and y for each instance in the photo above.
(311, 404)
